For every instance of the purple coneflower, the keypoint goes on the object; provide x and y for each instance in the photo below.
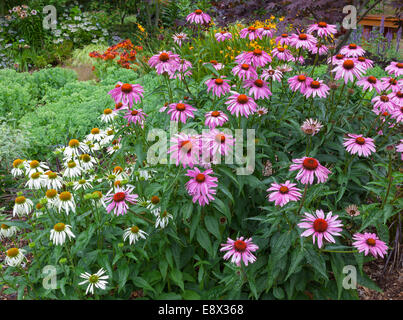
(165, 61)
(283, 193)
(198, 17)
(369, 83)
(126, 93)
(257, 88)
(251, 32)
(270, 73)
(283, 39)
(239, 250)
(179, 38)
(222, 36)
(369, 243)
(118, 200)
(395, 68)
(356, 143)
(321, 227)
(181, 111)
(245, 71)
(352, 50)
(185, 149)
(348, 70)
(282, 54)
(308, 169)
(316, 88)
(202, 186)
(241, 104)
(322, 29)
(219, 86)
(136, 116)
(299, 82)
(311, 126)
(215, 118)
(303, 40)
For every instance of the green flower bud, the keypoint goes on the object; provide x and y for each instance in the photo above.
(32, 244)
(63, 261)
(120, 245)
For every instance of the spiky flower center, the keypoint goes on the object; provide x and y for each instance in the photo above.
(4, 226)
(281, 49)
(118, 105)
(82, 181)
(65, 196)
(108, 111)
(51, 193)
(215, 114)
(257, 52)
(59, 227)
(135, 229)
(180, 107)
(20, 200)
(371, 79)
(200, 178)
(315, 84)
(348, 64)
(339, 56)
(252, 29)
(17, 163)
(240, 245)
(220, 138)
(310, 163)
(214, 62)
(155, 199)
(93, 279)
(360, 140)
(258, 83)
(98, 194)
(38, 206)
(34, 164)
(13, 252)
(393, 81)
(352, 46)
(126, 88)
(134, 112)
(361, 59)
(322, 24)
(117, 183)
(74, 143)
(320, 225)
(371, 242)
(245, 66)
(119, 196)
(384, 98)
(109, 132)
(301, 78)
(198, 11)
(164, 214)
(283, 189)
(71, 164)
(303, 36)
(52, 175)
(242, 99)
(399, 94)
(399, 65)
(219, 81)
(284, 35)
(35, 175)
(186, 145)
(85, 158)
(117, 169)
(164, 57)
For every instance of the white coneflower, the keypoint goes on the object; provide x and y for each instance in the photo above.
(134, 233)
(52, 180)
(109, 115)
(352, 210)
(261, 111)
(96, 280)
(52, 198)
(311, 126)
(110, 135)
(59, 232)
(87, 162)
(113, 149)
(120, 173)
(96, 135)
(18, 168)
(284, 68)
(75, 148)
(153, 206)
(14, 257)
(94, 146)
(98, 199)
(22, 206)
(66, 202)
(82, 184)
(36, 181)
(35, 166)
(7, 231)
(163, 219)
(271, 73)
(72, 170)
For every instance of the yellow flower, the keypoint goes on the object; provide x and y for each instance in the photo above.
(190, 48)
(272, 17)
(281, 19)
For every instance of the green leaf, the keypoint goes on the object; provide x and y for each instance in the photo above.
(143, 284)
(204, 240)
(296, 258)
(317, 262)
(176, 277)
(212, 226)
(191, 295)
(278, 293)
(123, 273)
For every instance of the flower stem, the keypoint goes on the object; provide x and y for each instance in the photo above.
(302, 200)
(390, 179)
